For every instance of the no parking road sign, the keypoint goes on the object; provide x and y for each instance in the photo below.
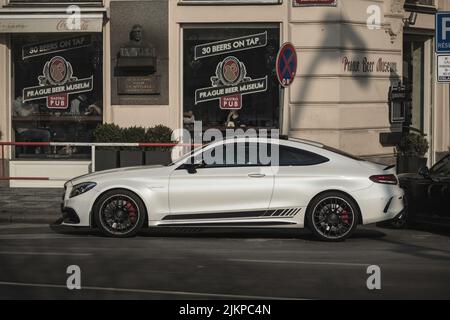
(286, 64)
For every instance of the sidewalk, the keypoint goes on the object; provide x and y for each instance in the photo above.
(29, 205)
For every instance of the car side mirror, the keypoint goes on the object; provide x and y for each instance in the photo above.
(191, 168)
(424, 172)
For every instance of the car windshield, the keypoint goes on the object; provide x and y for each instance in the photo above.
(442, 168)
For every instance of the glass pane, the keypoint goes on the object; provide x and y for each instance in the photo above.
(296, 157)
(57, 94)
(413, 77)
(56, 1)
(417, 85)
(421, 2)
(228, 57)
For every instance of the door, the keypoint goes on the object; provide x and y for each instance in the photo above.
(234, 185)
(295, 176)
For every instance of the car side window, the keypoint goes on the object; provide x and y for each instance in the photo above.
(235, 155)
(290, 156)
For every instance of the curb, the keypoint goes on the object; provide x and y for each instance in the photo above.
(29, 218)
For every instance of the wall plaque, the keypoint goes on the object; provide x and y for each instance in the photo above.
(139, 52)
(139, 85)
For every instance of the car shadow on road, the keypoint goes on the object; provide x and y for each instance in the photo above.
(439, 230)
(218, 232)
(429, 250)
(248, 233)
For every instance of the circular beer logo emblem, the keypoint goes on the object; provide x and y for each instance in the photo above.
(231, 70)
(58, 70)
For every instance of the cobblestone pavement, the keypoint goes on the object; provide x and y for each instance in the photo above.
(29, 204)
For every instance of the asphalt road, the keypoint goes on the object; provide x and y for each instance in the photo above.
(222, 264)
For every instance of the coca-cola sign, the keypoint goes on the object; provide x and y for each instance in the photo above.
(62, 25)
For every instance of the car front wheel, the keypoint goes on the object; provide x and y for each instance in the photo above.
(119, 213)
(332, 216)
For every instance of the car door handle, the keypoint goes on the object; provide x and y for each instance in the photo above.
(256, 175)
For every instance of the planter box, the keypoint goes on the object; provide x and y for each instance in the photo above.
(106, 159)
(407, 164)
(131, 158)
(158, 157)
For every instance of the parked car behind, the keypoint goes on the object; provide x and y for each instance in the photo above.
(427, 195)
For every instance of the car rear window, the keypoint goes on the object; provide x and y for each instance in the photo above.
(298, 157)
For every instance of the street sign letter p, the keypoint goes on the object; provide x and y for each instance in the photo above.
(445, 28)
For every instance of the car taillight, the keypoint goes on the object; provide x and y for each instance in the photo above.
(384, 178)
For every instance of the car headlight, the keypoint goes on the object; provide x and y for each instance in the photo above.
(81, 188)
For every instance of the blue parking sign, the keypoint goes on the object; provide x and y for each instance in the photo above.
(443, 32)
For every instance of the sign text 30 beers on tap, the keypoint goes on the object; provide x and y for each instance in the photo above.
(230, 81)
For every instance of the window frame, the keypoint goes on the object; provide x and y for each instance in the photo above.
(182, 166)
(53, 3)
(228, 2)
(12, 119)
(226, 25)
(424, 8)
(325, 159)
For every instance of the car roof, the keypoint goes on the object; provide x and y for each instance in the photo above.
(268, 140)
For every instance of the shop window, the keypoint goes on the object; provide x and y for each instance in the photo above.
(55, 1)
(57, 92)
(413, 77)
(421, 2)
(227, 2)
(229, 77)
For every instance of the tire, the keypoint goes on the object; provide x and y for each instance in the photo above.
(332, 216)
(400, 222)
(119, 213)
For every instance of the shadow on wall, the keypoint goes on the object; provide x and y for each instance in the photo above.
(349, 39)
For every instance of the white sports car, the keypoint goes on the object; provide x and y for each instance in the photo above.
(309, 184)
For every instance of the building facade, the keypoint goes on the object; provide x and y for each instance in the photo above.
(143, 63)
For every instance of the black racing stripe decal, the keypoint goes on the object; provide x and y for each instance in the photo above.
(216, 215)
(231, 224)
(290, 212)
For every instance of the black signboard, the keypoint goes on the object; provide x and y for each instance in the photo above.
(50, 47)
(231, 69)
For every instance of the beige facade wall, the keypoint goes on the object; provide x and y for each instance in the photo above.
(347, 110)
(326, 102)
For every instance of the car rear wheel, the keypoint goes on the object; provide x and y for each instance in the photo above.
(119, 213)
(332, 216)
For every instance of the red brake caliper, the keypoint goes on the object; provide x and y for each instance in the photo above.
(131, 212)
(345, 217)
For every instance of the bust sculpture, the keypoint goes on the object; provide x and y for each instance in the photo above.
(136, 46)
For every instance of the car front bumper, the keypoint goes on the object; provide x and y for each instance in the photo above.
(76, 211)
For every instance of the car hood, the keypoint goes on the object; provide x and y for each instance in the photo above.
(116, 173)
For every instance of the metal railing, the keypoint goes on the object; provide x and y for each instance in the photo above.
(93, 146)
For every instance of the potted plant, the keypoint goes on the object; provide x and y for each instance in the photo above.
(411, 152)
(158, 155)
(132, 156)
(107, 157)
